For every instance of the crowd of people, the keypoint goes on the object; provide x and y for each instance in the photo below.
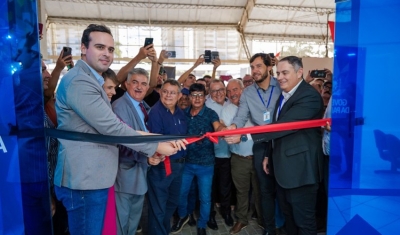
(283, 171)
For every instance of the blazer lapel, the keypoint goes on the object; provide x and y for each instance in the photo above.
(289, 102)
(133, 110)
(86, 69)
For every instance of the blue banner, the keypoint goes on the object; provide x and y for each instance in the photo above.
(24, 190)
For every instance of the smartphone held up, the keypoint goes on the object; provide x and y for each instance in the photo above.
(67, 51)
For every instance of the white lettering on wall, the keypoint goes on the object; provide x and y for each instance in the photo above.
(2, 145)
(340, 106)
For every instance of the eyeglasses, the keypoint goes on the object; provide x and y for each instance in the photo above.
(195, 96)
(327, 87)
(172, 93)
(218, 91)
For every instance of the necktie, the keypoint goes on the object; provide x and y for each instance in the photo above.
(146, 116)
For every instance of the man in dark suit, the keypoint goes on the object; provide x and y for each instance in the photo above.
(296, 154)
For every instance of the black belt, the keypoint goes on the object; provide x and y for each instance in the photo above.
(179, 160)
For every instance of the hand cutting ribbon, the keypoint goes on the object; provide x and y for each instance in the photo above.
(213, 136)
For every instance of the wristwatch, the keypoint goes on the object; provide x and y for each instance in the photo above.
(243, 138)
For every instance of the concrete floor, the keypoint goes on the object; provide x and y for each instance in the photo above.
(251, 229)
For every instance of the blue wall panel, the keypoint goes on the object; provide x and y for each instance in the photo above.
(364, 193)
(24, 193)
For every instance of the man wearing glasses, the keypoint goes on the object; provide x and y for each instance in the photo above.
(326, 92)
(199, 159)
(247, 80)
(222, 181)
(163, 194)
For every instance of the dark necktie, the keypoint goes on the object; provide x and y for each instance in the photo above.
(146, 116)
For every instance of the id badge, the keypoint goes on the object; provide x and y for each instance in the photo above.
(267, 117)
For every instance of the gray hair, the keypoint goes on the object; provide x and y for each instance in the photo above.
(295, 61)
(237, 81)
(138, 71)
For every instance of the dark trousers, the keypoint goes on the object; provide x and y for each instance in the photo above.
(267, 188)
(298, 206)
(60, 220)
(222, 184)
(163, 196)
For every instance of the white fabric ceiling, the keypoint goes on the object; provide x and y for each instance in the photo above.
(304, 20)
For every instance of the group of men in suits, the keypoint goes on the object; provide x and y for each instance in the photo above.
(287, 163)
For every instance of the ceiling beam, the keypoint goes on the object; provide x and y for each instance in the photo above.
(166, 24)
(319, 10)
(242, 25)
(246, 14)
(150, 4)
(285, 37)
(295, 23)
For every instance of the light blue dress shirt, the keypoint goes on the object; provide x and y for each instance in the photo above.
(221, 149)
(138, 110)
(242, 148)
(99, 78)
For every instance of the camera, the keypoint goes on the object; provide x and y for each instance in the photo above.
(318, 74)
(170, 54)
(214, 55)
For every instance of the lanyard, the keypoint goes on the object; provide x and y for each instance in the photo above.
(280, 105)
(269, 100)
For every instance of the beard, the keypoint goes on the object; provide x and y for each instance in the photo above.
(263, 77)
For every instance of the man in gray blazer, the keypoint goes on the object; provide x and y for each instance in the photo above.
(131, 183)
(85, 171)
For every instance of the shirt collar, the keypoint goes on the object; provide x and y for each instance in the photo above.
(134, 102)
(167, 109)
(226, 100)
(99, 78)
(187, 110)
(287, 95)
(273, 82)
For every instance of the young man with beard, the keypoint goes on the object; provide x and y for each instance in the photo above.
(257, 103)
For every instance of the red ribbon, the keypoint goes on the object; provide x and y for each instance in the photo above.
(213, 136)
(167, 164)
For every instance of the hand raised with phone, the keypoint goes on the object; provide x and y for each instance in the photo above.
(199, 60)
(144, 51)
(65, 59)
